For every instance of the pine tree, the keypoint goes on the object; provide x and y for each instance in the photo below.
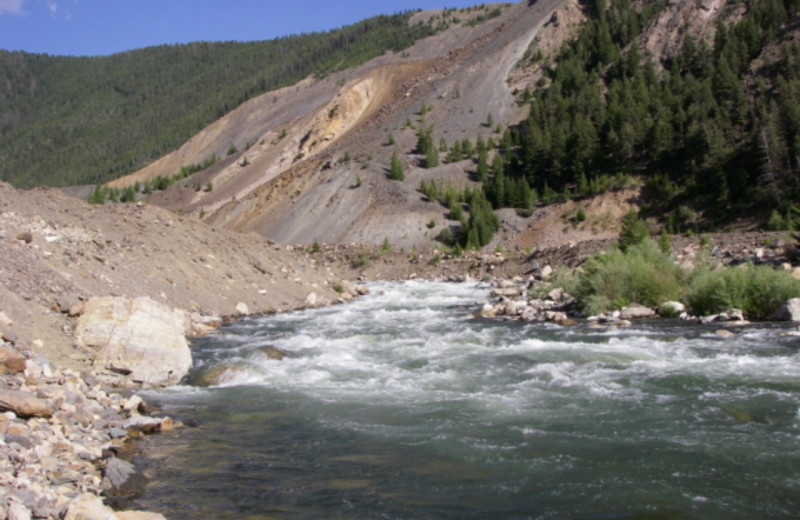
(396, 169)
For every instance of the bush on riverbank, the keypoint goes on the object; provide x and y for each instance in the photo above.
(642, 274)
(645, 274)
(757, 290)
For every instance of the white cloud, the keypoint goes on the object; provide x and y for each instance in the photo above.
(56, 11)
(11, 6)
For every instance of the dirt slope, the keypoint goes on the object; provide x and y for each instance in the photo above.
(290, 179)
(56, 251)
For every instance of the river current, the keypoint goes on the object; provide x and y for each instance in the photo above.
(399, 405)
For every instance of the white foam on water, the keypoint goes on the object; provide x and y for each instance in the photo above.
(412, 345)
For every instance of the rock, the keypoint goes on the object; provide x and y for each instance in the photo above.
(139, 515)
(557, 295)
(507, 292)
(146, 424)
(555, 316)
(199, 325)
(546, 273)
(566, 322)
(5, 321)
(134, 404)
(242, 309)
(487, 311)
(76, 310)
(348, 288)
(216, 375)
(121, 480)
(24, 404)
(731, 315)
(274, 353)
(636, 311)
(11, 361)
(362, 289)
(671, 309)
(789, 311)
(140, 338)
(17, 510)
(311, 299)
(724, 333)
(89, 507)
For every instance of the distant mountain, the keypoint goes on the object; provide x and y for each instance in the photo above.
(67, 120)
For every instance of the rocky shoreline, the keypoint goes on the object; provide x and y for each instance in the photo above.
(64, 436)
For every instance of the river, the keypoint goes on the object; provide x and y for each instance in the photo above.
(400, 405)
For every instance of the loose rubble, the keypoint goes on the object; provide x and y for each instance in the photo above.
(62, 439)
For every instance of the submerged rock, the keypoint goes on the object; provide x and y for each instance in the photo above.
(274, 353)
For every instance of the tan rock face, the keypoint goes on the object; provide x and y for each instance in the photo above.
(139, 338)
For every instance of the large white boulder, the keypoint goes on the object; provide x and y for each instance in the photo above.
(139, 338)
(790, 311)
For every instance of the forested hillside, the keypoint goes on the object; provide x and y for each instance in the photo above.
(716, 126)
(86, 120)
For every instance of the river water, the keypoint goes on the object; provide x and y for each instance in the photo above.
(398, 405)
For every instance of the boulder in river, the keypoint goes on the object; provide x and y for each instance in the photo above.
(789, 311)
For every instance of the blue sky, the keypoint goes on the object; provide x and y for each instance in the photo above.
(102, 27)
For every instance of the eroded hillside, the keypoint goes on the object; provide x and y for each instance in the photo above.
(311, 162)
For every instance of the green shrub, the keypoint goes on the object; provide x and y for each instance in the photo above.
(776, 222)
(396, 169)
(361, 260)
(562, 277)
(642, 274)
(757, 290)
(634, 230)
(663, 242)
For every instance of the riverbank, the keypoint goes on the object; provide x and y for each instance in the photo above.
(66, 414)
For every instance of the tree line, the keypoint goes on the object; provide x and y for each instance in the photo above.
(715, 126)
